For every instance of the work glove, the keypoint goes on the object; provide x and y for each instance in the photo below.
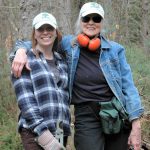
(48, 142)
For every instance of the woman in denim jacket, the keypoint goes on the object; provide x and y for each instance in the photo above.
(98, 71)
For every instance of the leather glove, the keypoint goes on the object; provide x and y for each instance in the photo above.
(48, 142)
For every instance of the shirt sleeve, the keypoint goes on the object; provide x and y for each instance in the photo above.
(20, 44)
(133, 102)
(27, 102)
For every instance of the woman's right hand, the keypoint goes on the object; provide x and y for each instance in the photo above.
(48, 142)
(19, 62)
(134, 139)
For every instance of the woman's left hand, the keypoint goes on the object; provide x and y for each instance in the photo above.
(134, 139)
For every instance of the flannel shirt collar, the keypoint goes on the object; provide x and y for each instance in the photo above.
(56, 54)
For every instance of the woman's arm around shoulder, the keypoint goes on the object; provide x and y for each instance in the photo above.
(66, 42)
(20, 44)
(18, 57)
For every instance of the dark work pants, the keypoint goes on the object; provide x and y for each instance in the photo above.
(88, 132)
(28, 141)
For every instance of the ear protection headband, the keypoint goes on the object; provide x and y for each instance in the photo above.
(91, 44)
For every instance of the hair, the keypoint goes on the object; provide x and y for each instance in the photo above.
(56, 44)
(78, 29)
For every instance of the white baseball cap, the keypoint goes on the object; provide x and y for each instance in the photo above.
(92, 8)
(44, 18)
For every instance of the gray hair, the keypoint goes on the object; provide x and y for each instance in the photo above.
(77, 27)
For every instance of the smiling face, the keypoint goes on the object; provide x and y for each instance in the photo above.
(91, 25)
(45, 35)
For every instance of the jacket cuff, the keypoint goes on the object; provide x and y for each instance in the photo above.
(136, 114)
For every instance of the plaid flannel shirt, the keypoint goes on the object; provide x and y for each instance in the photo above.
(41, 100)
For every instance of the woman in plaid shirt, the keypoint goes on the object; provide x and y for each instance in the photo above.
(42, 93)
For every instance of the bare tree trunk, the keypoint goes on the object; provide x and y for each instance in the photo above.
(28, 9)
(60, 9)
(8, 21)
(63, 13)
(126, 6)
(122, 18)
(146, 25)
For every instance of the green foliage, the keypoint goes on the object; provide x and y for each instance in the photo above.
(9, 139)
(8, 136)
(134, 22)
(146, 129)
(140, 64)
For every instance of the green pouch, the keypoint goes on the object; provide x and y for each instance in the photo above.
(111, 116)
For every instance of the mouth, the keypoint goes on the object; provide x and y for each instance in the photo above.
(46, 38)
(90, 28)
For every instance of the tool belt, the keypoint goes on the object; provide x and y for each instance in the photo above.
(113, 116)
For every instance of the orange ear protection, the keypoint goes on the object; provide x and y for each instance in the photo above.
(92, 44)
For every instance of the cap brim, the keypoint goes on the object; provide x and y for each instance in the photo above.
(38, 25)
(92, 12)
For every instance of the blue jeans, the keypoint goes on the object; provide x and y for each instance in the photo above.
(88, 131)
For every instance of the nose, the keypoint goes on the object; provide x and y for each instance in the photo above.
(45, 31)
(91, 21)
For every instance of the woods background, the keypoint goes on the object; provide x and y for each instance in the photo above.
(126, 21)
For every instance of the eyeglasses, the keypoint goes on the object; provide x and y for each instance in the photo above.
(96, 19)
(47, 28)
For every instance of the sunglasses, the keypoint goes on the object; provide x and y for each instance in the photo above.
(47, 28)
(96, 19)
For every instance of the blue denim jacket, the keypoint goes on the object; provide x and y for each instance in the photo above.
(114, 66)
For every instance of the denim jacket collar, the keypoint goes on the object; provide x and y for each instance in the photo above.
(104, 43)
